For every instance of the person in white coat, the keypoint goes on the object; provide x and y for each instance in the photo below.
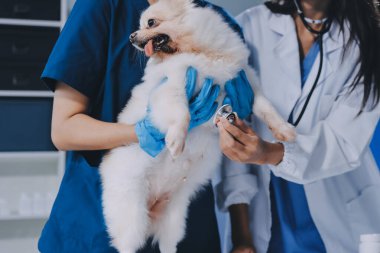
(321, 192)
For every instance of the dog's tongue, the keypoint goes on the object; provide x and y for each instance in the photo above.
(149, 48)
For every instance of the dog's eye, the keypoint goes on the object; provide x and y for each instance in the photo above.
(151, 22)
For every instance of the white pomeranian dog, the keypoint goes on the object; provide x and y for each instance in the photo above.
(175, 34)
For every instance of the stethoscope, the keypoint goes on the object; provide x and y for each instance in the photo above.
(226, 110)
(326, 27)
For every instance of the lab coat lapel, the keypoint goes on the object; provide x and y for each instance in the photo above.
(286, 55)
(331, 42)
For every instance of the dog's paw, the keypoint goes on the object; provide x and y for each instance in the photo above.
(175, 141)
(284, 132)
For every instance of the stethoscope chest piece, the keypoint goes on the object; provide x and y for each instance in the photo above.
(225, 112)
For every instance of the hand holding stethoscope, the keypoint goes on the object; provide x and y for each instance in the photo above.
(241, 144)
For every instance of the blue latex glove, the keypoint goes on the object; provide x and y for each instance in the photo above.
(204, 105)
(239, 95)
(202, 108)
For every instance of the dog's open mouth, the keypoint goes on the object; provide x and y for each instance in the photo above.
(159, 43)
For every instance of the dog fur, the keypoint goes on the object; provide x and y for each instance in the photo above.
(199, 38)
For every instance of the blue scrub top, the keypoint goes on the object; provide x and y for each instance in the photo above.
(375, 145)
(94, 56)
(293, 229)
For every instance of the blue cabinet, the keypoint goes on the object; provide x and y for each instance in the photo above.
(25, 124)
(31, 9)
(29, 163)
(28, 31)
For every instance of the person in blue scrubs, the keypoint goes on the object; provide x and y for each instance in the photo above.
(93, 69)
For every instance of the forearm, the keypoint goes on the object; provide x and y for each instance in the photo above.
(81, 132)
(73, 129)
(241, 234)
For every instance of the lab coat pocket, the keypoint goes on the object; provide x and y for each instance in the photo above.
(364, 212)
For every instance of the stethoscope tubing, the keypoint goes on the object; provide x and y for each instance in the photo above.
(300, 116)
(325, 29)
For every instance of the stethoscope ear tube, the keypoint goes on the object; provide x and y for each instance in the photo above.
(320, 42)
(325, 29)
(326, 21)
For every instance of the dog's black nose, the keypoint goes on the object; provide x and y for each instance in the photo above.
(132, 36)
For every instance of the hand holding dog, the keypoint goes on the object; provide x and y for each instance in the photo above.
(204, 105)
(202, 108)
(240, 143)
(239, 95)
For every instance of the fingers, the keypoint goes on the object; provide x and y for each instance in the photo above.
(228, 144)
(191, 81)
(243, 126)
(206, 112)
(206, 89)
(200, 119)
(233, 149)
(243, 77)
(245, 92)
(230, 89)
(213, 95)
(247, 85)
(236, 132)
(203, 94)
(205, 101)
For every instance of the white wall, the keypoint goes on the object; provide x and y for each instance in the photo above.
(236, 6)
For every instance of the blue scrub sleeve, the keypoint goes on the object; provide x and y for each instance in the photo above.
(79, 57)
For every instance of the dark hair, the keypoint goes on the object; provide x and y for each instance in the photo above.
(364, 19)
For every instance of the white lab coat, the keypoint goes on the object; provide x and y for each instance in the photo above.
(331, 155)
